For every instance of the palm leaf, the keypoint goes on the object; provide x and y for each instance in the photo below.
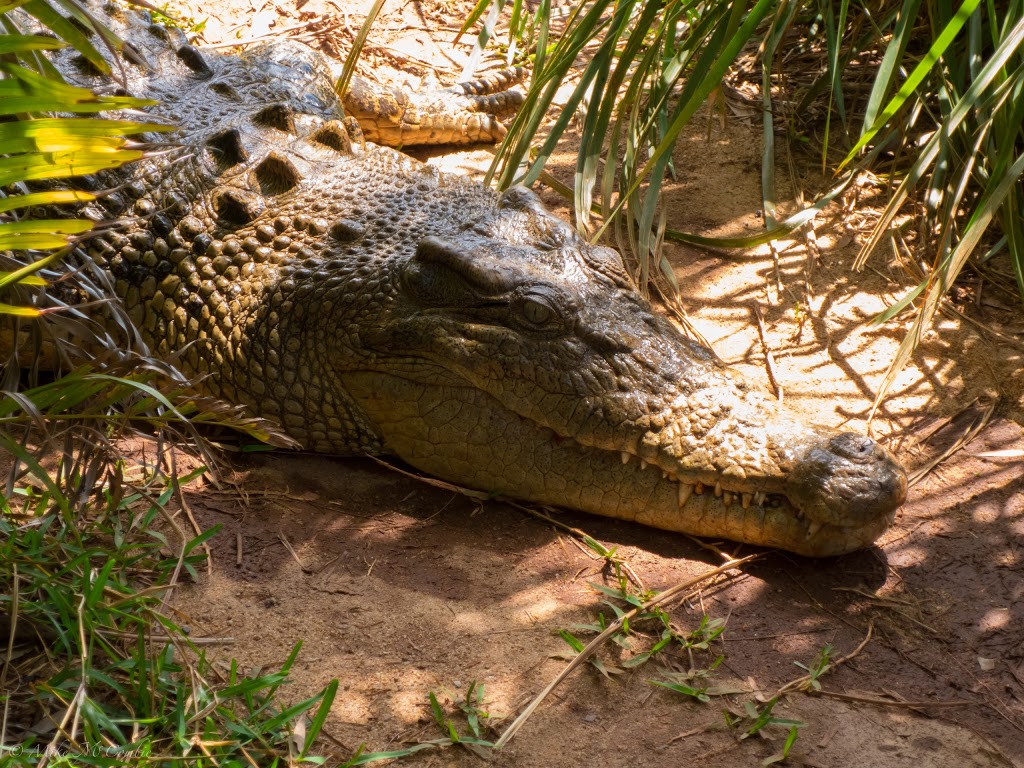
(38, 147)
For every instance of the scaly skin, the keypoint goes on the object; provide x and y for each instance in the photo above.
(467, 113)
(372, 305)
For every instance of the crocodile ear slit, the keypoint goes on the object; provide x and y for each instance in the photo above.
(433, 250)
(276, 174)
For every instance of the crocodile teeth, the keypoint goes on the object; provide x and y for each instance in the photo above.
(643, 464)
(625, 457)
(664, 475)
(727, 498)
(745, 500)
(685, 491)
(699, 488)
(759, 498)
(718, 489)
(813, 528)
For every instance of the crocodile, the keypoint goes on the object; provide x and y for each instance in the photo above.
(372, 305)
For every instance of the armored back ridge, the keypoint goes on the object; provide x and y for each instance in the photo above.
(372, 305)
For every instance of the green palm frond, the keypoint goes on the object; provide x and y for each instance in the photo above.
(965, 98)
(34, 145)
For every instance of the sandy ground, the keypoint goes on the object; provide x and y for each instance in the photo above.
(399, 589)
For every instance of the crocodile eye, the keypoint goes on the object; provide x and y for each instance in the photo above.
(537, 312)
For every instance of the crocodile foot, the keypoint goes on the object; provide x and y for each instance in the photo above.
(465, 113)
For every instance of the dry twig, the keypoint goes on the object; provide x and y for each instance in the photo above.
(769, 358)
(969, 434)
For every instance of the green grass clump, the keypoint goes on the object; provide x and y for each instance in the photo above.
(97, 668)
(927, 97)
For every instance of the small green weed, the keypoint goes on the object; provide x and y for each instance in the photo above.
(755, 719)
(471, 708)
(97, 668)
(174, 19)
(695, 683)
(817, 668)
(103, 672)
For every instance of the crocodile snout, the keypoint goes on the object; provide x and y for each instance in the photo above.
(847, 480)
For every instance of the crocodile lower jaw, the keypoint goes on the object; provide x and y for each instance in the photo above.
(463, 435)
(754, 517)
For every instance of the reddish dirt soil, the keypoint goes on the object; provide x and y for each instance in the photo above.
(398, 588)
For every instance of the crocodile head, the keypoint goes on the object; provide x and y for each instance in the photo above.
(516, 358)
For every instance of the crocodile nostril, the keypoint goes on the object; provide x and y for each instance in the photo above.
(852, 446)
